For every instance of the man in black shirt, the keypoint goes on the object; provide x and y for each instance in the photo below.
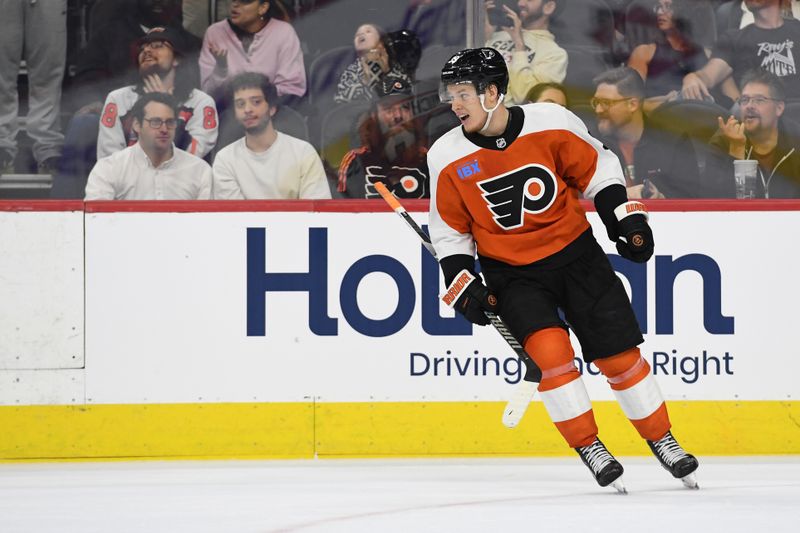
(657, 164)
(768, 44)
(763, 135)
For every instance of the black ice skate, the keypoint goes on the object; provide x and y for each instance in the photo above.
(605, 469)
(675, 460)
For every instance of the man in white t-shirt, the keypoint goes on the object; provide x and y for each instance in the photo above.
(265, 164)
(153, 168)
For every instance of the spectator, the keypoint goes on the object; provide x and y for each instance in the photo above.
(767, 44)
(151, 169)
(734, 14)
(162, 67)
(656, 164)
(527, 45)
(160, 70)
(252, 38)
(109, 60)
(675, 53)
(393, 150)
(36, 32)
(374, 60)
(265, 163)
(764, 135)
(554, 93)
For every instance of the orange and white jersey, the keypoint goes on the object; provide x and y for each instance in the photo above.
(515, 196)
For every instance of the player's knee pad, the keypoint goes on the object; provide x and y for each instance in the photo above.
(550, 348)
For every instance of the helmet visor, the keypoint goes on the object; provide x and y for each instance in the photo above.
(461, 91)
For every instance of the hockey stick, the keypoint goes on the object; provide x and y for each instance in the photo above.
(522, 396)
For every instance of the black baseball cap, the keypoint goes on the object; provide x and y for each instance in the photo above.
(162, 33)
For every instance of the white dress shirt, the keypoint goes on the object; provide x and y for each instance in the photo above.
(129, 175)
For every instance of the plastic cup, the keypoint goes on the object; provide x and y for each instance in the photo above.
(745, 173)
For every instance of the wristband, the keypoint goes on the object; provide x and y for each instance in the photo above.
(630, 208)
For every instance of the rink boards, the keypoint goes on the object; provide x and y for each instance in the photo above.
(295, 329)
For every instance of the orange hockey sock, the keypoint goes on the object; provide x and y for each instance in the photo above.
(562, 389)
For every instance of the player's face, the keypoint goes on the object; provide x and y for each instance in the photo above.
(464, 102)
(156, 57)
(246, 13)
(252, 110)
(394, 113)
(761, 112)
(158, 139)
(553, 96)
(612, 109)
(367, 38)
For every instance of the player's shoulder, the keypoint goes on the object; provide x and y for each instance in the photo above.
(449, 147)
(543, 116)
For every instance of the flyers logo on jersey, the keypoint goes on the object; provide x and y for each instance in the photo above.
(529, 189)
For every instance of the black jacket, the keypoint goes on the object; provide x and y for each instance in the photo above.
(666, 159)
(784, 182)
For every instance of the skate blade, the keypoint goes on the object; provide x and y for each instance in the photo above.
(518, 404)
(690, 482)
(620, 486)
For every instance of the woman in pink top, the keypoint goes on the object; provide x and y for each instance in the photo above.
(252, 40)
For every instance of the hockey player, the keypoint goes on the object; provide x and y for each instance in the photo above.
(506, 183)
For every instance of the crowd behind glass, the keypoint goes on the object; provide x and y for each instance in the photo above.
(316, 99)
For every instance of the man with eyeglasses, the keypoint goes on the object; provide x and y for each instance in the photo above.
(656, 163)
(770, 43)
(761, 134)
(153, 168)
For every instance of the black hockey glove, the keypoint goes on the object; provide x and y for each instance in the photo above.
(470, 297)
(626, 223)
(635, 241)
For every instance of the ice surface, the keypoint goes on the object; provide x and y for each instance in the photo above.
(438, 495)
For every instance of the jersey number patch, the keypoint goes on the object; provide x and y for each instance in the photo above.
(529, 189)
(109, 117)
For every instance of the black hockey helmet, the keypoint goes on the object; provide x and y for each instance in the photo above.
(405, 49)
(479, 66)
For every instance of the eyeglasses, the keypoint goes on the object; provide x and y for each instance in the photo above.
(756, 100)
(666, 8)
(605, 103)
(156, 123)
(154, 45)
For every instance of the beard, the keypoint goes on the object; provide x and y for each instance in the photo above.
(154, 68)
(260, 127)
(533, 16)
